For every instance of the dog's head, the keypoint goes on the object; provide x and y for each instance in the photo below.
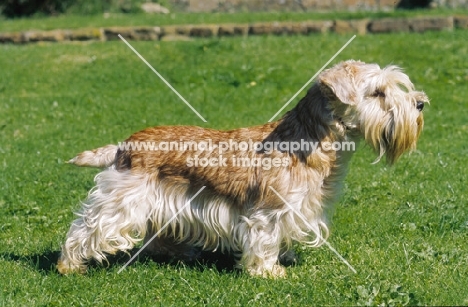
(380, 104)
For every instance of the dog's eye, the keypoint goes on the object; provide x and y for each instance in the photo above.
(420, 105)
(378, 93)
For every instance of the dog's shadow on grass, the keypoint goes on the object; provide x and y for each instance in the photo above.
(46, 262)
(207, 260)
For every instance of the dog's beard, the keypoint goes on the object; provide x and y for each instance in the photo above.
(391, 133)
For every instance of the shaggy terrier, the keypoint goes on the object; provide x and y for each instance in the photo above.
(251, 191)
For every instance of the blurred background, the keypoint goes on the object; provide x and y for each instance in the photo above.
(20, 8)
(68, 84)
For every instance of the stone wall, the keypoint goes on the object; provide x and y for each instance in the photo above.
(308, 5)
(452, 4)
(187, 32)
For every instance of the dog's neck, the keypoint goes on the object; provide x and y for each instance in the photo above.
(311, 117)
(311, 120)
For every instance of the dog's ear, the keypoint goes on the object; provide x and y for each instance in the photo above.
(339, 81)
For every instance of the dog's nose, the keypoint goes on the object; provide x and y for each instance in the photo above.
(420, 105)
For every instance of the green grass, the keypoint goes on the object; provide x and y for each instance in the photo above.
(70, 21)
(403, 228)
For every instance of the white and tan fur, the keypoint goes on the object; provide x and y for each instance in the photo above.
(237, 212)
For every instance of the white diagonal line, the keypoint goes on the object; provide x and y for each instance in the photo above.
(311, 79)
(301, 216)
(160, 230)
(162, 78)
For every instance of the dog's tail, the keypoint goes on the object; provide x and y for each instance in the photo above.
(100, 157)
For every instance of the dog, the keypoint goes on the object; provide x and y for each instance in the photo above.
(181, 202)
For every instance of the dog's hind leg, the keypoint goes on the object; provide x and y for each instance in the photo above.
(114, 218)
(261, 239)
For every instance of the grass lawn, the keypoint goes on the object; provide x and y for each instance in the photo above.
(70, 21)
(404, 229)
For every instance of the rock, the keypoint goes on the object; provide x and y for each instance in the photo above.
(388, 25)
(307, 27)
(44, 36)
(146, 33)
(299, 28)
(422, 24)
(204, 30)
(133, 33)
(175, 38)
(280, 28)
(177, 30)
(154, 8)
(15, 38)
(196, 6)
(261, 28)
(113, 33)
(85, 34)
(191, 30)
(233, 29)
(351, 26)
(461, 22)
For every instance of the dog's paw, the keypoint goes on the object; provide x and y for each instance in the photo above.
(277, 271)
(65, 268)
